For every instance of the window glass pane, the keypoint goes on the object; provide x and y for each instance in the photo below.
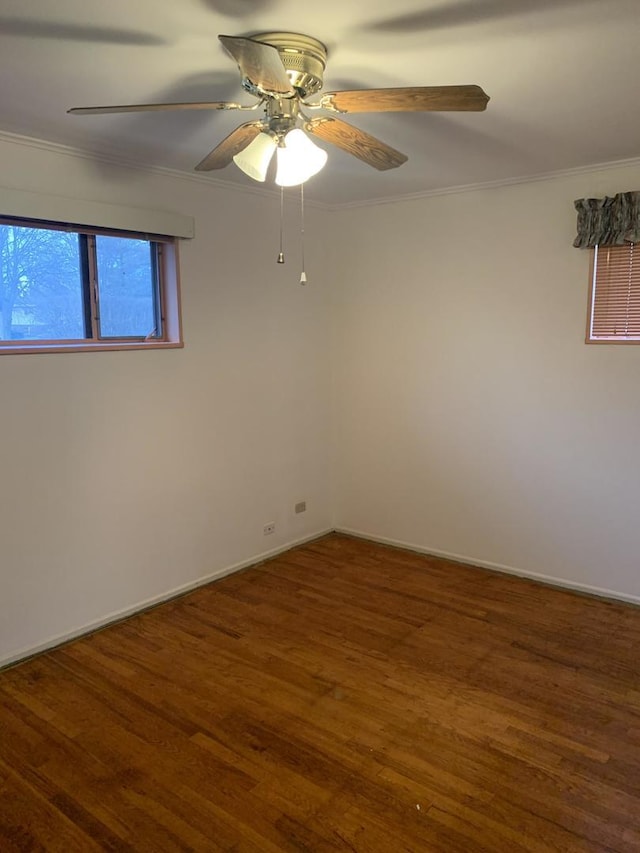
(127, 285)
(40, 285)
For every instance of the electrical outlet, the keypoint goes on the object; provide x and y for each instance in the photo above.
(301, 507)
(269, 528)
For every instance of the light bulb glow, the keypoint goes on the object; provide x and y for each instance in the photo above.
(299, 159)
(255, 158)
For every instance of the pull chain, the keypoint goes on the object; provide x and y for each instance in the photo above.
(303, 275)
(281, 253)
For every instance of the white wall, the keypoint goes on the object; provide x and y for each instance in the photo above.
(127, 475)
(471, 418)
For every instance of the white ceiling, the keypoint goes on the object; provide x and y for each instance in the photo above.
(562, 75)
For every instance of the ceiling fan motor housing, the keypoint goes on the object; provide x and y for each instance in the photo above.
(303, 57)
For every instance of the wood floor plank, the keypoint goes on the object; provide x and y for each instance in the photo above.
(29, 821)
(343, 696)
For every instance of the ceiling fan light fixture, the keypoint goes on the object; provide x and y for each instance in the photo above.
(255, 158)
(283, 69)
(298, 159)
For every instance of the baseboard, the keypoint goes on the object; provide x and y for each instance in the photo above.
(600, 592)
(139, 607)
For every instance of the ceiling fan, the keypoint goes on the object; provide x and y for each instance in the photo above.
(283, 70)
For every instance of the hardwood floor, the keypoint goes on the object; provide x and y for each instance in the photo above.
(344, 696)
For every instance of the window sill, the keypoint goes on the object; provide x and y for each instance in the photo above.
(616, 340)
(99, 346)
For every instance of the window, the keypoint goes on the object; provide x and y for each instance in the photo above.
(65, 288)
(614, 304)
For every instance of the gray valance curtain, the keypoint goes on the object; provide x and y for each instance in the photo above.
(613, 220)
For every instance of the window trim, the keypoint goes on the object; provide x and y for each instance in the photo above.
(167, 282)
(93, 214)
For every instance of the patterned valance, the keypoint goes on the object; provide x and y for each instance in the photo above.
(612, 221)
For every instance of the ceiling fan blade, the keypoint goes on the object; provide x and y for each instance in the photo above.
(410, 99)
(362, 145)
(141, 108)
(224, 153)
(260, 64)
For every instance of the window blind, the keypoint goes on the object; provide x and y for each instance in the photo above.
(615, 293)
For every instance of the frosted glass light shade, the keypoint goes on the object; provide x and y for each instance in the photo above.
(299, 159)
(255, 158)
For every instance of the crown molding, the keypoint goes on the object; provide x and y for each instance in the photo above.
(490, 185)
(117, 159)
(114, 158)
